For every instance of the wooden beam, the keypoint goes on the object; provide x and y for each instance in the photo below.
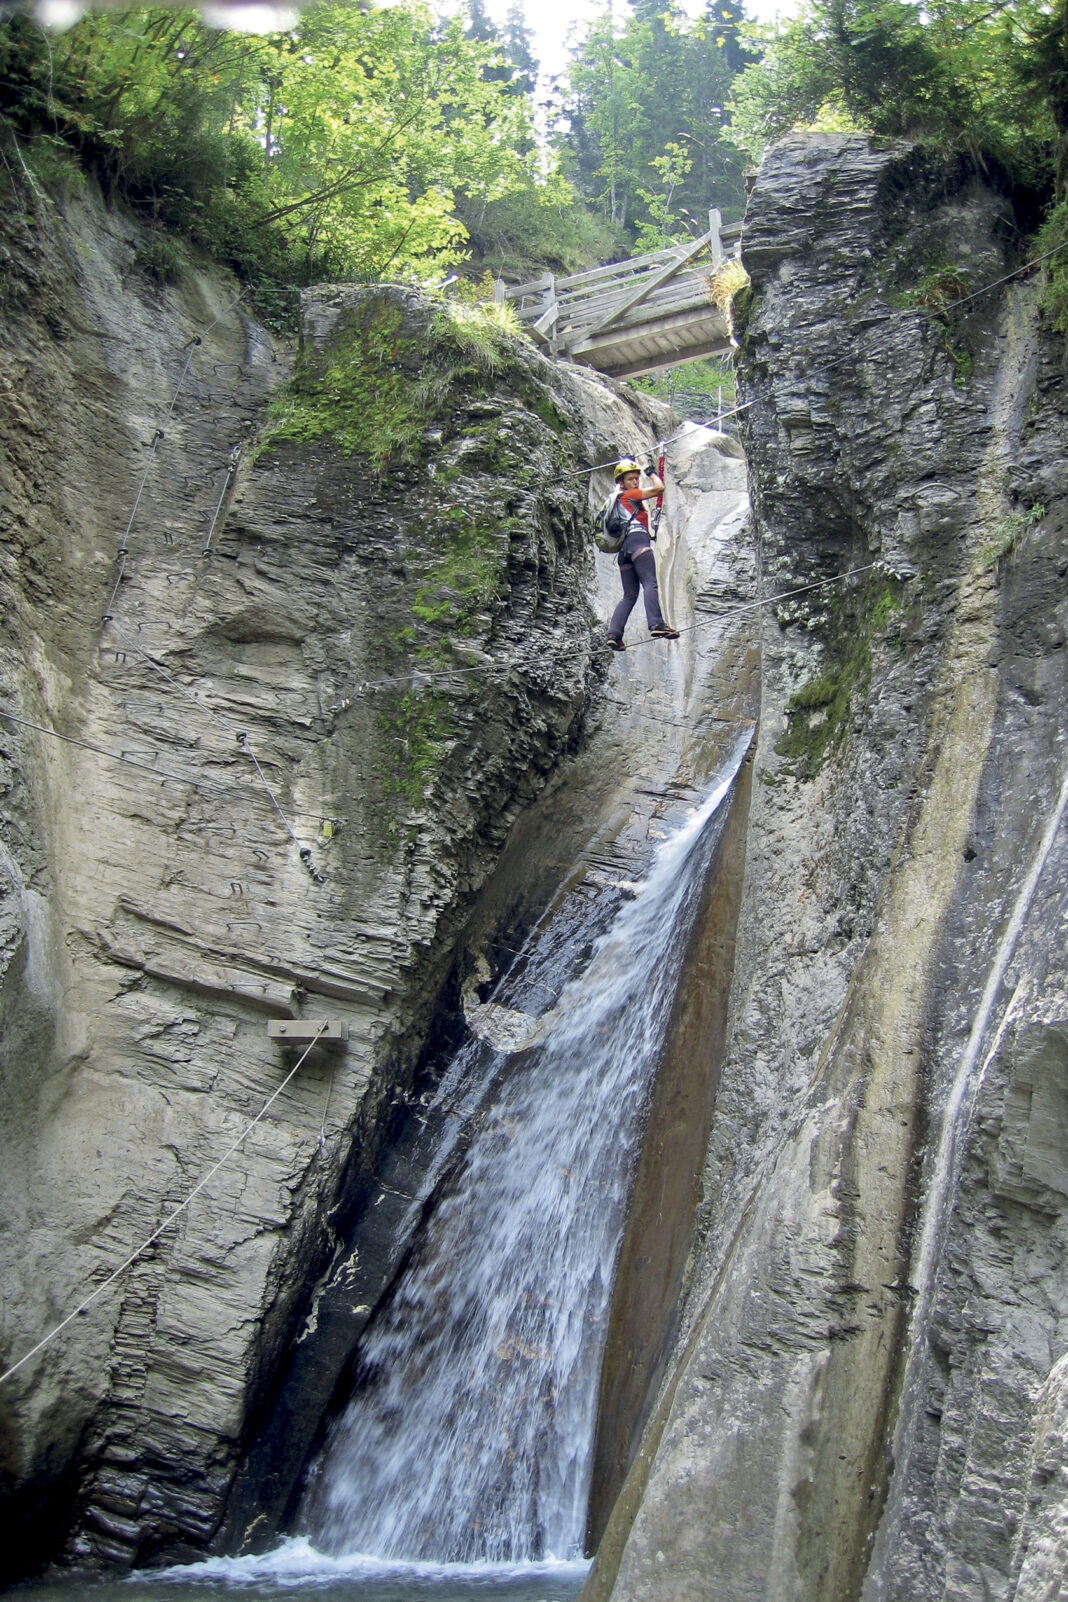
(537, 286)
(715, 238)
(654, 364)
(659, 278)
(688, 326)
(618, 269)
(689, 293)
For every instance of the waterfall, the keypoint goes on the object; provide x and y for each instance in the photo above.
(469, 1433)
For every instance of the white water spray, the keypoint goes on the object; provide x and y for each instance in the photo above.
(470, 1433)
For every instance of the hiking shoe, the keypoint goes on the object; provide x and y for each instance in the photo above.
(665, 633)
(614, 644)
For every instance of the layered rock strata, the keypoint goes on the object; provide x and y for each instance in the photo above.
(285, 657)
(866, 1395)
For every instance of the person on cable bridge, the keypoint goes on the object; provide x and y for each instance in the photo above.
(637, 565)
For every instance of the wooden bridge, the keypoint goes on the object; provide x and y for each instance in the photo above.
(634, 316)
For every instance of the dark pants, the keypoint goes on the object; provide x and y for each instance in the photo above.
(637, 567)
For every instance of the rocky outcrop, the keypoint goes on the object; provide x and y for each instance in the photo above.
(866, 1394)
(267, 735)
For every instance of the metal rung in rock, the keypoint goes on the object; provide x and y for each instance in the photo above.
(302, 1029)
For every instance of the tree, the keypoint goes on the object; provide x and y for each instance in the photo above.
(335, 148)
(518, 51)
(658, 80)
(959, 73)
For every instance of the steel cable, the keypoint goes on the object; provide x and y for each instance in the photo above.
(166, 1224)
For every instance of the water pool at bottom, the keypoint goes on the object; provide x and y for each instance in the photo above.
(296, 1570)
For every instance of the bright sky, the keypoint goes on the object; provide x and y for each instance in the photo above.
(551, 21)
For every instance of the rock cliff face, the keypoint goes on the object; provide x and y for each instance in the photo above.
(322, 769)
(265, 781)
(867, 1395)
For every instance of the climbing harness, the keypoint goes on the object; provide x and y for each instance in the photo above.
(160, 1229)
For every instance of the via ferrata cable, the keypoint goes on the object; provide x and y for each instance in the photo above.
(167, 1222)
(654, 521)
(304, 851)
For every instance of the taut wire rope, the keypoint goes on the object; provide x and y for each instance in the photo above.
(770, 600)
(191, 345)
(239, 734)
(163, 774)
(242, 738)
(167, 1222)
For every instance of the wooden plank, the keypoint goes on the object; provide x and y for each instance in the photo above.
(547, 318)
(642, 268)
(674, 358)
(661, 277)
(708, 323)
(536, 286)
(617, 268)
(683, 317)
(715, 237)
(616, 298)
(691, 293)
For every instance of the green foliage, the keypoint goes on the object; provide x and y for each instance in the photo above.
(640, 120)
(537, 225)
(161, 257)
(1053, 236)
(421, 726)
(953, 72)
(935, 290)
(337, 149)
(375, 396)
(695, 389)
(363, 399)
(662, 223)
(1005, 538)
(465, 576)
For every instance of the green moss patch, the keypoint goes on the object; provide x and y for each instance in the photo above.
(362, 398)
(818, 711)
(387, 378)
(467, 573)
(421, 726)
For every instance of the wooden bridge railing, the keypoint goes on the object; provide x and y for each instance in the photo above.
(632, 316)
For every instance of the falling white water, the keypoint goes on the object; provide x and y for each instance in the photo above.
(470, 1432)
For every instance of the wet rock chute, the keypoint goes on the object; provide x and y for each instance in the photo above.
(470, 1432)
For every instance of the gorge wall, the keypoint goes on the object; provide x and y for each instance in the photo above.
(267, 780)
(855, 1385)
(867, 1394)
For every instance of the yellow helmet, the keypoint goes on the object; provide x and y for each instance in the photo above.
(624, 466)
